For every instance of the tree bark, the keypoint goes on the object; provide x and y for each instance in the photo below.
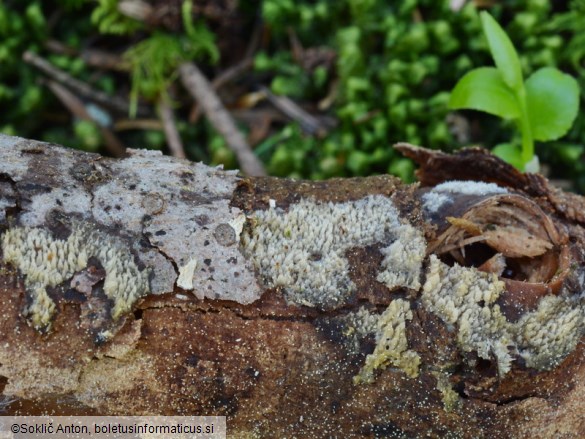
(351, 307)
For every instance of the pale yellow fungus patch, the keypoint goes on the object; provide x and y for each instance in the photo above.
(391, 344)
(303, 249)
(47, 262)
(465, 298)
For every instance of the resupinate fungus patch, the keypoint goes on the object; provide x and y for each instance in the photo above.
(46, 261)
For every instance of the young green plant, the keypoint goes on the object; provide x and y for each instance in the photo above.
(543, 108)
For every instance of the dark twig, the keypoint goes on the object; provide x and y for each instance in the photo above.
(138, 124)
(220, 80)
(78, 109)
(309, 123)
(201, 90)
(232, 73)
(235, 71)
(92, 57)
(173, 138)
(81, 88)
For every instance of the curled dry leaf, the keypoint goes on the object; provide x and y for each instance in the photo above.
(511, 236)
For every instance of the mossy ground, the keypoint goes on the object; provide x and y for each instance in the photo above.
(381, 71)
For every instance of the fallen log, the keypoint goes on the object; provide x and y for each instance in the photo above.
(360, 307)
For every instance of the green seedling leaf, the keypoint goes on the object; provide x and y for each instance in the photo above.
(503, 51)
(552, 98)
(483, 89)
(509, 153)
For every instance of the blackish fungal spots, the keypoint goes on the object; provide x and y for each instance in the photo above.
(201, 220)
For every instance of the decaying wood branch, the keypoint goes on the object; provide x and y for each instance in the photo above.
(354, 308)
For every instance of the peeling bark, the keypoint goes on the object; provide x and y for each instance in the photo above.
(358, 307)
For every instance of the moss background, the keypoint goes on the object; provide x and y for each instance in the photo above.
(372, 72)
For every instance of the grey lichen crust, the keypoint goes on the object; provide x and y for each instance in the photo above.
(186, 216)
(47, 262)
(465, 298)
(173, 217)
(303, 249)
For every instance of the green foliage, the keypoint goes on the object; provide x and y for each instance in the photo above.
(109, 20)
(30, 110)
(21, 97)
(544, 107)
(89, 135)
(154, 61)
(72, 5)
(503, 52)
(396, 62)
(572, 21)
(552, 99)
(391, 76)
(484, 89)
(388, 80)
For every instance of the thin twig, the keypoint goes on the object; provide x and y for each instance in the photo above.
(138, 124)
(201, 90)
(297, 49)
(232, 73)
(114, 146)
(173, 138)
(220, 80)
(81, 88)
(309, 123)
(92, 57)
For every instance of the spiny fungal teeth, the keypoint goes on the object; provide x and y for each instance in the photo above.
(47, 262)
(281, 245)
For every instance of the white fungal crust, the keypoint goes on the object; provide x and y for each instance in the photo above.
(403, 259)
(439, 195)
(125, 283)
(433, 201)
(548, 334)
(47, 262)
(391, 344)
(357, 325)
(303, 249)
(465, 297)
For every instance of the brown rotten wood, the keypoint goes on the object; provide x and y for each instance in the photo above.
(356, 308)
